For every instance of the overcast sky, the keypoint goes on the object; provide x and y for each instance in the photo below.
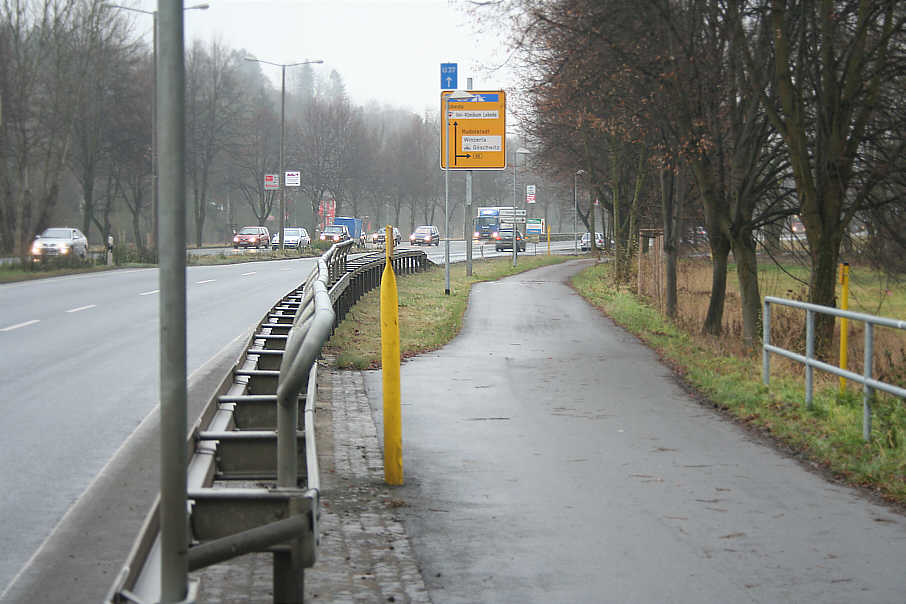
(386, 51)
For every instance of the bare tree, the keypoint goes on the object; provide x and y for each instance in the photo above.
(831, 62)
(254, 152)
(212, 106)
(42, 68)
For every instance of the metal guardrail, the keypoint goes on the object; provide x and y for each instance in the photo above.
(245, 467)
(869, 385)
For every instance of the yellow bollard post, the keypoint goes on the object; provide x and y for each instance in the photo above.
(548, 240)
(390, 369)
(844, 323)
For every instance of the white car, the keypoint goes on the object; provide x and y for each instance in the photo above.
(585, 243)
(60, 242)
(293, 237)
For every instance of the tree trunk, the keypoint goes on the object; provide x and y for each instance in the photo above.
(720, 250)
(823, 285)
(88, 194)
(668, 217)
(750, 297)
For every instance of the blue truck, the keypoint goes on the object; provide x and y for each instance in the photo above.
(487, 223)
(354, 226)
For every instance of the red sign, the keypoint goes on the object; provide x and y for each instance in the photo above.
(327, 209)
(271, 182)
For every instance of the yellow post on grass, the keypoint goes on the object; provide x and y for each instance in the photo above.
(548, 240)
(844, 304)
(390, 369)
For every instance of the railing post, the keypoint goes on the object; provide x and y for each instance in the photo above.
(809, 355)
(867, 391)
(765, 342)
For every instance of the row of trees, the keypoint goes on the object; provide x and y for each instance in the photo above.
(76, 104)
(745, 111)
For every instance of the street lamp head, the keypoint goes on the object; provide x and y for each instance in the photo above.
(523, 151)
(284, 65)
(580, 172)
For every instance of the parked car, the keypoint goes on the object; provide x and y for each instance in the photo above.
(60, 242)
(585, 242)
(503, 240)
(252, 236)
(335, 233)
(378, 237)
(293, 237)
(425, 235)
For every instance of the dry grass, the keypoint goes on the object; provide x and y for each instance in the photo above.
(869, 294)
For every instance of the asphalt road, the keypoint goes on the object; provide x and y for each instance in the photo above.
(79, 373)
(550, 457)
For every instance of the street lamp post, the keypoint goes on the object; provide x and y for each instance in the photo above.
(154, 162)
(283, 67)
(516, 154)
(456, 95)
(576, 210)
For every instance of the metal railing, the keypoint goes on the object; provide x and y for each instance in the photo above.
(869, 384)
(245, 464)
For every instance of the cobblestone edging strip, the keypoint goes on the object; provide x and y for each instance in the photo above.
(364, 554)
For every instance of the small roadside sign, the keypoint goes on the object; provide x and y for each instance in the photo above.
(293, 178)
(509, 215)
(271, 182)
(529, 193)
(449, 75)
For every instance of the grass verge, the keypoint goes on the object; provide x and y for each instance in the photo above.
(428, 317)
(12, 273)
(829, 435)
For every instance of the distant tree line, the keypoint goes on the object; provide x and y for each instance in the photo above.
(76, 104)
(740, 112)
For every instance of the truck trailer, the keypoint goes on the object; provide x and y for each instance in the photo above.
(354, 226)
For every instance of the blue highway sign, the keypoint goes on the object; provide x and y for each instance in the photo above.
(448, 76)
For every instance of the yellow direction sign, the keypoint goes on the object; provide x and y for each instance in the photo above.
(477, 130)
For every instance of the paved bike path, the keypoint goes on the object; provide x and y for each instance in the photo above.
(550, 457)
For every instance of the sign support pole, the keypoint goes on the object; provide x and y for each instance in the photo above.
(467, 226)
(447, 197)
(515, 158)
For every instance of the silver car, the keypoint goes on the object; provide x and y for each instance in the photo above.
(293, 237)
(60, 242)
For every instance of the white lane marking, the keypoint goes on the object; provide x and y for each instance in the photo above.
(80, 308)
(247, 274)
(153, 291)
(18, 325)
(205, 281)
(286, 269)
(154, 414)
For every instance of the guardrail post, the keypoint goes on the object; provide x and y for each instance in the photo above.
(867, 391)
(765, 342)
(809, 355)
